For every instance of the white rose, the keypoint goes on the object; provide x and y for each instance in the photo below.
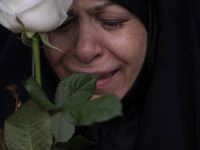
(35, 15)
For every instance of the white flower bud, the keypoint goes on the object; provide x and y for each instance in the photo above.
(35, 15)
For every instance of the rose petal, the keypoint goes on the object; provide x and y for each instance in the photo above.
(13, 5)
(43, 15)
(8, 19)
(36, 15)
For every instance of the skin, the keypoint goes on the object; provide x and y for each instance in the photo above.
(103, 38)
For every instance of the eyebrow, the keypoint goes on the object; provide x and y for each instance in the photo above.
(94, 9)
(97, 8)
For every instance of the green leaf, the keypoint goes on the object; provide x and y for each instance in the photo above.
(45, 40)
(62, 130)
(97, 110)
(77, 143)
(28, 129)
(74, 89)
(37, 94)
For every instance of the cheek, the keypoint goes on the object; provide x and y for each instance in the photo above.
(130, 47)
(136, 49)
(60, 40)
(54, 57)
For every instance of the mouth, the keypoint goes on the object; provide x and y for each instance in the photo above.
(105, 79)
(107, 75)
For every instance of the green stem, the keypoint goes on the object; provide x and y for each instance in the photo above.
(36, 51)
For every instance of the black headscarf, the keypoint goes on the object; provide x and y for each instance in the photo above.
(138, 7)
(162, 108)
(171, 114)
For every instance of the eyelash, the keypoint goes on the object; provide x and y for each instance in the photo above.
(113, 24)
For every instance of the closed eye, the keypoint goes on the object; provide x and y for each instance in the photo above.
(113, 24)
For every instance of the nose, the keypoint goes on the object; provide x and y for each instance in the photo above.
(87, 46)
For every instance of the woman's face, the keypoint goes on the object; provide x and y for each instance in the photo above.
(103, 39)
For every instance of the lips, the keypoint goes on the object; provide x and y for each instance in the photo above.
(108, 75)
(105, 79)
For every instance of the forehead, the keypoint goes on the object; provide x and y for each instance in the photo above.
(93, 7)
(91, 4)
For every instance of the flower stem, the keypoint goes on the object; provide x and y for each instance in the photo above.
(36, 51)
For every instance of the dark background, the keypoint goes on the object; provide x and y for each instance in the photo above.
(15, 67)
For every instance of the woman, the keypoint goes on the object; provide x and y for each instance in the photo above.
(147, 53)
(118, 41)
(109, 40)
